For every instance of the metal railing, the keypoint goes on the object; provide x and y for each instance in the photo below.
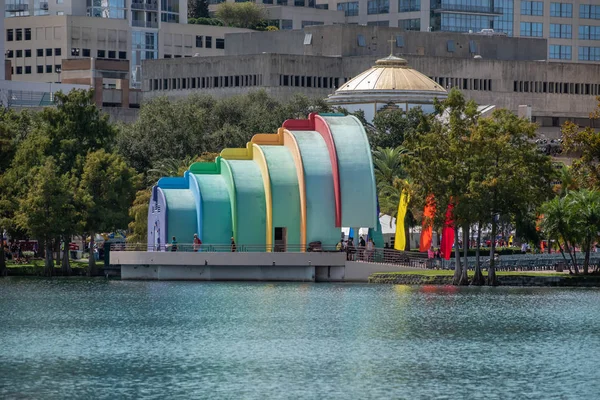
(222, 248)
(467, 9)
(144, 24)
(141, 5)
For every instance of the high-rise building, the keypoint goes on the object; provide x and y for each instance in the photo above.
(571, 27)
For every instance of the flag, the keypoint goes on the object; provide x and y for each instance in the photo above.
(400, 240)
(427, 225)
(448, 234)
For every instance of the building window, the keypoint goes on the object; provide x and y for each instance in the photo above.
(57, 51)
(112, 54)
(167, 56)
(9, 54)
(57, 68)
(560, 52)
(413, 24)
(19, 70)
(28, 69)
(49, 52)
(350, 9)
(409, 5)
(378, 7)
(115, 9)
(48, 69)
(122, 55)
(9, 35)
(75, 52)
(562, 31)
(199, 41)
(533, 29)
(19, 34)
(361, 42)
(40, 69)
(209, 42)
(286, 24)
(378, 23)
(588, 11)
(85, 52)
(101, 54)
(532, 8)
(587, 32)
(589, 53)
(27, 33)
(220, 43)
(563, 10)
(311, 23)
(19, 53)
(27, 52)
(40, 52)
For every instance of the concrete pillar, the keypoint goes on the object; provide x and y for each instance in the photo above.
(125, 93)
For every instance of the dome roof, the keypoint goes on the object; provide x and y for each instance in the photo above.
(391, 73)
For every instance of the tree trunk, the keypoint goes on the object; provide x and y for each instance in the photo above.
(478, 277)
(3, 269)
(464, 277)
(49, 262)
(57, 248)
(586, 260)
(91, 259)
(65, 266)
(457, 266)
(492, 279)
(407, 236)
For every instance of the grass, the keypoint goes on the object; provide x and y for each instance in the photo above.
(40, 264)
(447, 272)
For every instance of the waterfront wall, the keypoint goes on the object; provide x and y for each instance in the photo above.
(511, 280)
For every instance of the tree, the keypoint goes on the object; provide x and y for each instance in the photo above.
(138, 213)
(513, 177)
(438, 162)
(106, 190)
(198, 9)
(586, 143)
(391, 127)
(240, 15)
(560, 222)
(42, 210)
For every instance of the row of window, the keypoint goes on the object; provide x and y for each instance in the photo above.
(309, 81)
(206, 42)
(584, 53)
(588, 89)
(49, 69)
(27, 53)
(206, 82)
(561, 10)
(561, 31)
(378, 7)
(464, 83)
(18, 34)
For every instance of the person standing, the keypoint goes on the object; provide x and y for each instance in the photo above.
(174, 244)
(233, 246)
(197, 243)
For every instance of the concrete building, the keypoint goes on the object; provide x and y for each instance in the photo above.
(500, 71)
(571, 27)
(38, 38)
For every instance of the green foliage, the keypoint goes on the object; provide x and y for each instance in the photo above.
(205, 21)
(586, 143)
(391, 127)
(179, 129)
(44, 208)
(241, 15)
(574, 219)
(138, 214)
(197, 9)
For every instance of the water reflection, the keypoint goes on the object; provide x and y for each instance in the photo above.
(97, 338)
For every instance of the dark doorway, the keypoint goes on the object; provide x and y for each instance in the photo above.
(280, 239)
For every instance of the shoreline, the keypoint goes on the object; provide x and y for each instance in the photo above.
(524, 279)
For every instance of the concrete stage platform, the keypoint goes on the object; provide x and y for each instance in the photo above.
(204, 266)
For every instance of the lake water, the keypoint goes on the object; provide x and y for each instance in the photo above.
(77, 338)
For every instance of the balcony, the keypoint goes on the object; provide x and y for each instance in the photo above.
(144, 24)
(16, 7)
(141, 5)
(464, 9)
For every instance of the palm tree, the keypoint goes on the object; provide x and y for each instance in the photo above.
(560, 222)
(585, 204)
(169, 167)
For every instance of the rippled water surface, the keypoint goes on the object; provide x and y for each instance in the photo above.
(74, 338)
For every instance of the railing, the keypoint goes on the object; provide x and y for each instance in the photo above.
(140, 5)
(222, 248)
(144, 24)
(16, 7)
(388, 256)
(467, 9)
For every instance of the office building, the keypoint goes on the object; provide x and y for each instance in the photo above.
(38, 35)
